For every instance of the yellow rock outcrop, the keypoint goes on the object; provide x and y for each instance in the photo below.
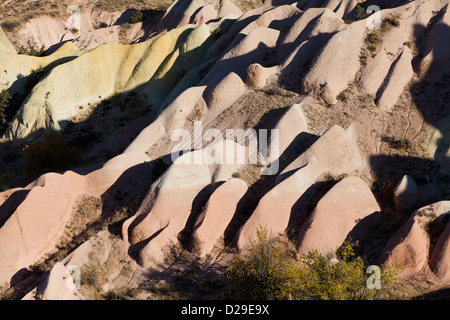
(151, 67)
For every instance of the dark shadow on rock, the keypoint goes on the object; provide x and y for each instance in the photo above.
(30, 81)
(441, 294)
(433, 186)
(56, 46)
(127, 191)
(385, 4)
(8, 207)
(135, 249)
(305, 204)
(148, 14)
(363, 227)
(301, 62)
(266, 182)
(432, 99)
(19, 276)
(231, 230)
(431, 96)
(198, 205)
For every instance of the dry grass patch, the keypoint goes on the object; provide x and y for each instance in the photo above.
(84, 223)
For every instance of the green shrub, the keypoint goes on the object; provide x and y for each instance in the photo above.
(361, 12)
(342, 97)
(121, 294)
(32, 51)
(271, 270)
(137, 16)
(372, 40)
(10, 103)
(51, 154)
(10, 25)
(93, 275)
(345, 278)
(5, 98)
(268, 271)
(399, 144)
(390, 22)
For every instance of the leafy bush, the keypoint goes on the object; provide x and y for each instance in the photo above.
(32, 51)
(390, 22)
(137, 16)
(51, 154)
(399, 144)
(342, 97)
(343, 278)
(372, 40)
(121, 294)
(271, 270)
(93, 275)
(361, 12)
(5, 98)
(10, 103)
(268, 271)
(10, 25)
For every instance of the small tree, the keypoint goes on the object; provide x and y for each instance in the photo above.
(51, 154)
(137, 16)
(342, 278)
(361, 12)
(32, 51)
(5, 98)
(268, 270)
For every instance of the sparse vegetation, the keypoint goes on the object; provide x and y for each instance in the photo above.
(31, 50)
(6, 294)
(93, 277)
(341, 278)
(272, 270)
(361, 12)
(5, 98)
(342, 97)
(85, 220)
(121, 294)
(87, 211)
(10, 25)
(195, 115)
(137, 16)
(389, 22)
(117, 5)
(269, 270)
(246, 5)
(373, 40)
(398, 144)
